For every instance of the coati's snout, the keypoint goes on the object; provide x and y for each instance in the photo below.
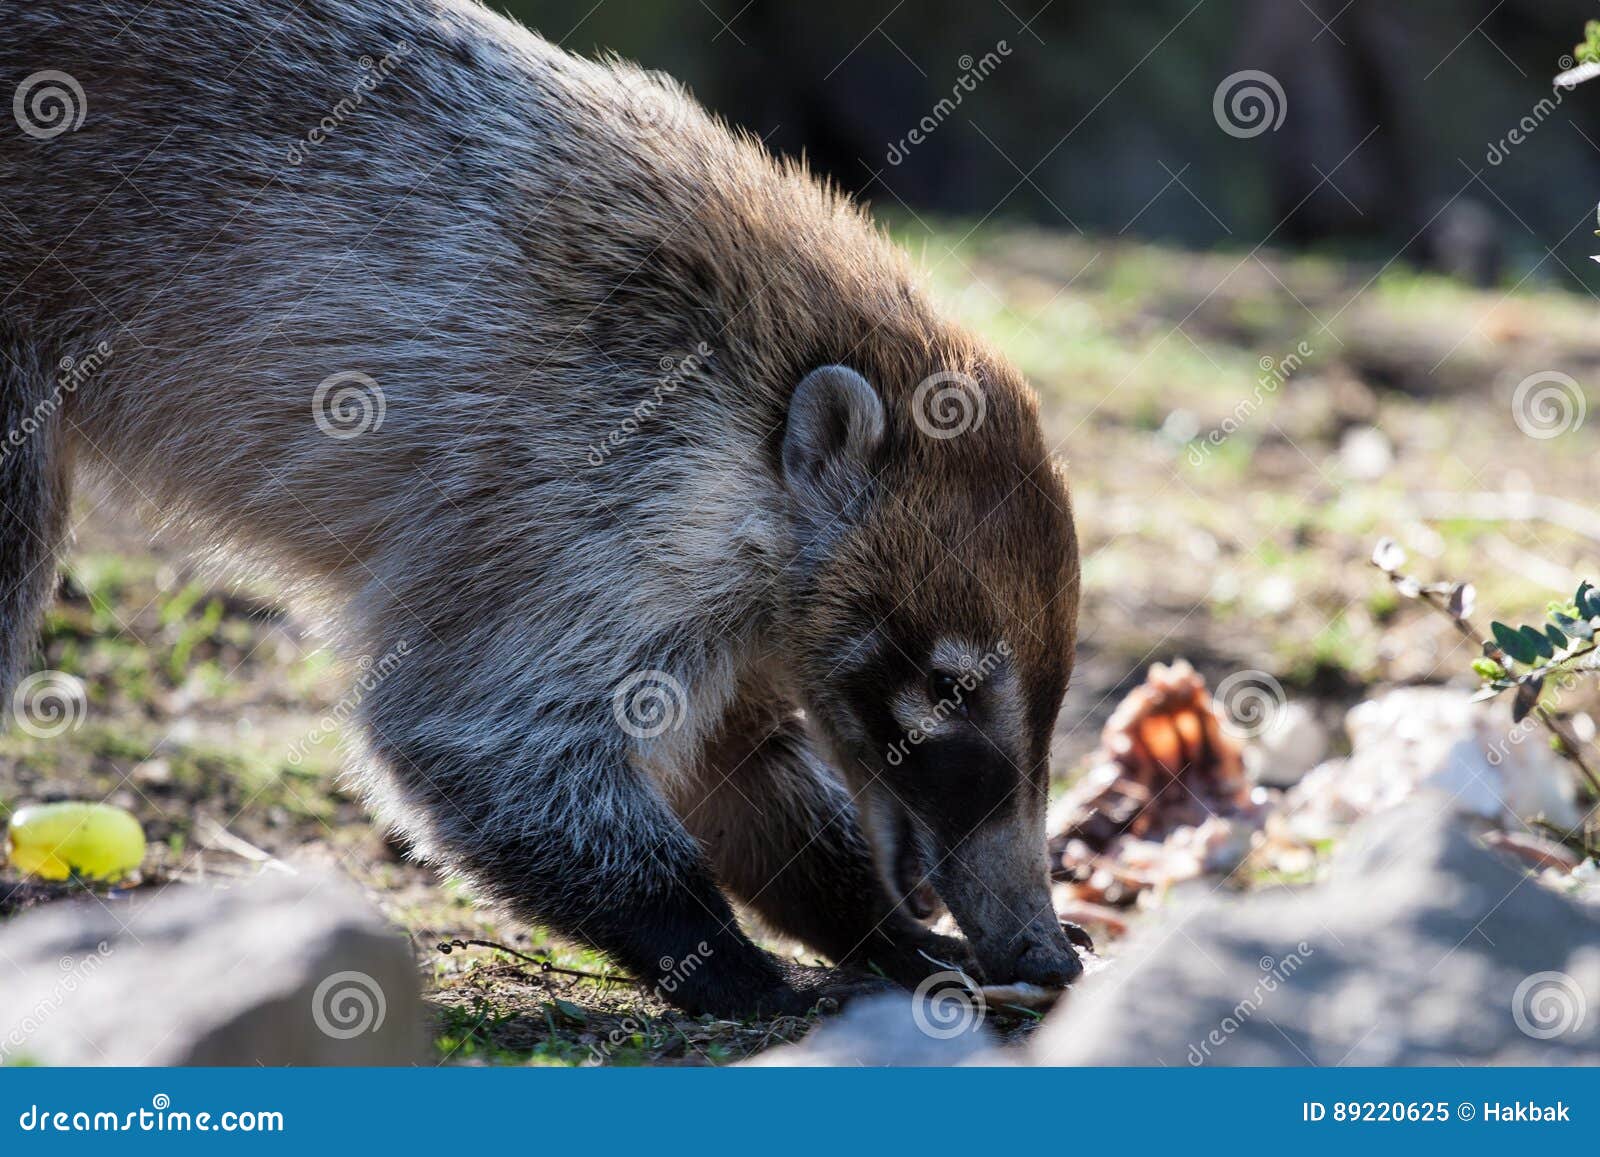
(976, 826)
(931, 611)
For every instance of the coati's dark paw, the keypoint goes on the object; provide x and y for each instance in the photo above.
(825, 990)
(917, 955)
(772, 987)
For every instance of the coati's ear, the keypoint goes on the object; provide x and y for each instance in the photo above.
(834, 430)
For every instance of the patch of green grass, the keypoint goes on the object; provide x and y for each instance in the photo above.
(1337, 650)
(556, 1033)
(466, 1034)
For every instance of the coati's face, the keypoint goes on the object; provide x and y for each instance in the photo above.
(931, 621)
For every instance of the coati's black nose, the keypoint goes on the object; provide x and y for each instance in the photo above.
(1048, 965)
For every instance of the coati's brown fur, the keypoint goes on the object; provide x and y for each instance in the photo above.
(633, 444)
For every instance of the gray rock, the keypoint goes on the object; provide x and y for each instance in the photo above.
(1282, 754)
(1436, 737)
(1422, 949)
(282, 970)
(897, 1031)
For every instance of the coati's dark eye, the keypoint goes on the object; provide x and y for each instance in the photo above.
(945, 688)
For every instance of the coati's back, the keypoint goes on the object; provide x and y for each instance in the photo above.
(382, 284)
(513, 244)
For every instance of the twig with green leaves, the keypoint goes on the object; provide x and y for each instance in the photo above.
(1523, 660)
(1589, 51)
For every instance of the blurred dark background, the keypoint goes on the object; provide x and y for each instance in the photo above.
(1099, 116)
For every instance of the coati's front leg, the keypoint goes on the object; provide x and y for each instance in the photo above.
(785, 839)
(553, 823)
(34, 488)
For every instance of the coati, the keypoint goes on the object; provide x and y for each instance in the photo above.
(706, 560)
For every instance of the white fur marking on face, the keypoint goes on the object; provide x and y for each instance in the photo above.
(981, 671)
(913, 710)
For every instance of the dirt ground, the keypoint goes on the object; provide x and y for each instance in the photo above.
(1240, 428)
